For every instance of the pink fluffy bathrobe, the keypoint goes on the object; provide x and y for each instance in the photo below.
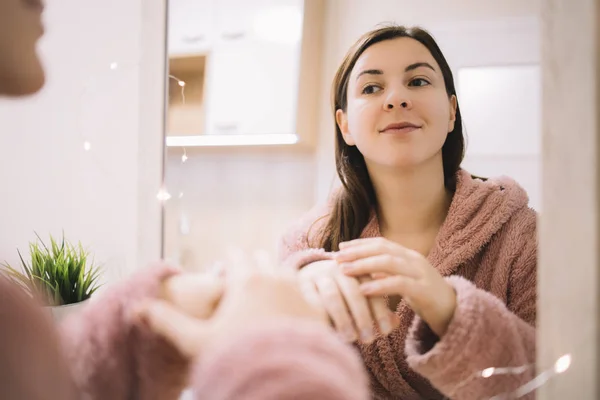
(487, 250)
(103, 353)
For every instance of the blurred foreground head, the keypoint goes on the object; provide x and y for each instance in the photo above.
(21, 72)
(31, 365)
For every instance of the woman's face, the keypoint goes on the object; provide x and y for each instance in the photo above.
(398, 112)
(21, 72)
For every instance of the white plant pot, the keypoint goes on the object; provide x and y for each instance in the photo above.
(61, 312)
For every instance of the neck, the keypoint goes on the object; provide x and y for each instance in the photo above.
(411, 202)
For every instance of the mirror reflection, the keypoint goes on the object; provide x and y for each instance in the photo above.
(410, 216)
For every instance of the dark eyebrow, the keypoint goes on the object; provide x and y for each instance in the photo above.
(411, 67)
(419, 65)
(370, 72)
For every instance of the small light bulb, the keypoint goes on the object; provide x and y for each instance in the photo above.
(87, 146)
(163, 195)
(486, 373)
(184, 158)
(562, 364)
(113, 66)
(181, 83)
(180, 194)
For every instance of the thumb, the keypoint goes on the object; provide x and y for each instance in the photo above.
(195, 294)
(186, 333)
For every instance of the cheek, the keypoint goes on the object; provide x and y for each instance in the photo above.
(362, 118)
(436, 112)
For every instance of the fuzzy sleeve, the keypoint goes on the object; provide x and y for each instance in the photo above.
(483, 333)
(112, 356)
(279, 361)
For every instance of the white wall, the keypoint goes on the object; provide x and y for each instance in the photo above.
(243, 198)
(100, 197)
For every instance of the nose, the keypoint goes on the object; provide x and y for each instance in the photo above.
(397, 98)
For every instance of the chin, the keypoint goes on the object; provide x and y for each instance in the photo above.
(24, 85)
(410, 158)
(34, 85)
(403, 161)
(22, 76)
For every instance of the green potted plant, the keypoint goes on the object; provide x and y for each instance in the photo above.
(62, 275)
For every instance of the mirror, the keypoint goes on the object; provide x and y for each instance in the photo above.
(224, 183)
(229, 90)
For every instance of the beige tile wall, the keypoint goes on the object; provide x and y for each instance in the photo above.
(235, 198)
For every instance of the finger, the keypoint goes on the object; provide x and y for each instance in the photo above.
(216, 269)
(194, 294)
(370, 249)
(362, 241)
(311, 295)
(380, 275)
(184, 332)
(383, 263)
(358, 306)
(394, 285)
(386, 320)
(334, 304)
(379, 311)
(354, 242)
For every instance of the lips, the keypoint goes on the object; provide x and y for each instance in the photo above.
(400, 127)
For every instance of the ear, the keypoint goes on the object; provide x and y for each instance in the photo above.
(342, 122)
(453, 107)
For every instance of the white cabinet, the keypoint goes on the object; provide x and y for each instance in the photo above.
(254, 52)
(252, 74)
(252, 88)
(191, 27)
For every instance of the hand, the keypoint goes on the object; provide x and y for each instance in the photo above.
(251, 297)
(409, 275)
(196, 294)
(352, 314)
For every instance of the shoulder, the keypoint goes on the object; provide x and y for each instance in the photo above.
(521, 228)
(516, 244)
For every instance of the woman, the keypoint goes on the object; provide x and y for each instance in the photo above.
(453, 255)
(142, 338)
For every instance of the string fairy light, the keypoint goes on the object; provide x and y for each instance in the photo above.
(87, 86)
(184, 157)
(182, 84)
(163, 195)
(87, 146)
(92, 83)
(560, 366)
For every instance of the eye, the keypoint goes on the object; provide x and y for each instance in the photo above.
(370, 89)
(419, 82)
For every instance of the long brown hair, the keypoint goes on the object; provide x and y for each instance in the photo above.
(356, 200)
